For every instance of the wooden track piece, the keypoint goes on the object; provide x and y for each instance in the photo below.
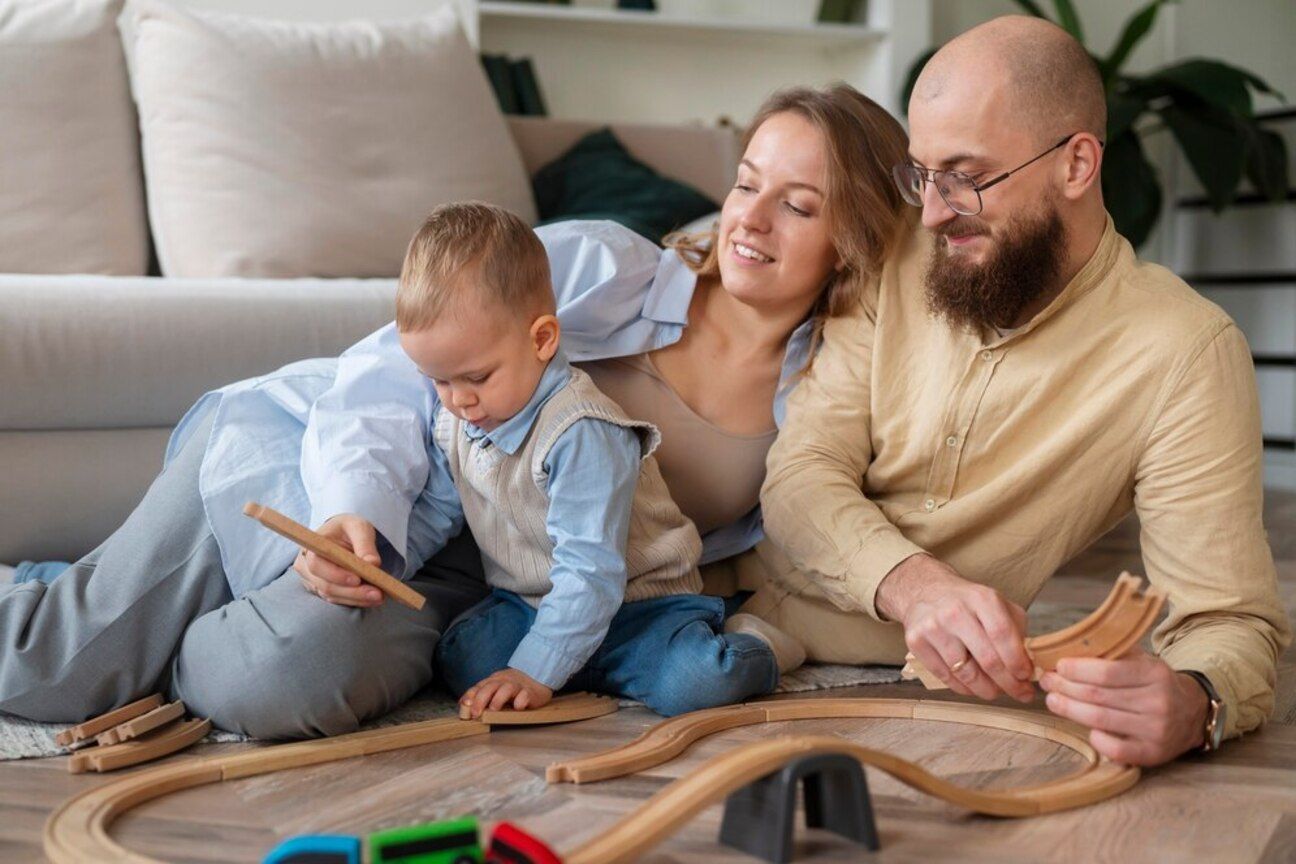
(339, 555)
(563, 709)
(1110, 631)
(144, 723)
(151, 745)
(95, 725)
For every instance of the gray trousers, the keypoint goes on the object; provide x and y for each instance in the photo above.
(150, 610)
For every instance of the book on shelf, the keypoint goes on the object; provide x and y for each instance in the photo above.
(515, 85)
(839, 11)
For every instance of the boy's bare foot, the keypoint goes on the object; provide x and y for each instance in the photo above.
(788, 652)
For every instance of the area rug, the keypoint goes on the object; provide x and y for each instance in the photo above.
(26, 739)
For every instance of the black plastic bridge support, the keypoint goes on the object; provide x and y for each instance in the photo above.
(758, 818)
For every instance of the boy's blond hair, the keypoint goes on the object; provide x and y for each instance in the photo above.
(475, 251)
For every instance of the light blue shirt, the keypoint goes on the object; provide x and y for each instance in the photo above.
(351, 434)
(593, 469)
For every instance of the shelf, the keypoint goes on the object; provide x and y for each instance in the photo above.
(629, 23)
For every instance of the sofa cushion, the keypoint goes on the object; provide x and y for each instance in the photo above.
(599, 179)
(71, 193)
(282, 149)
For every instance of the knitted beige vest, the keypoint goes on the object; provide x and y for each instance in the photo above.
(505, 501)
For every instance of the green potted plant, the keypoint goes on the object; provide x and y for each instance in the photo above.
(1205, 104)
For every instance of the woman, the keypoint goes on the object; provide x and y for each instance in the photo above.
(704, 340)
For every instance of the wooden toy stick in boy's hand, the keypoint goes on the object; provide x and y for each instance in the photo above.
(339, 555)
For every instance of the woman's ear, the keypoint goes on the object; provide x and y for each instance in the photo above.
(545, 332)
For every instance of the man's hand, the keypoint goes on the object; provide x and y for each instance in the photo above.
(325, 579)
(505, 686)
(1139, 710)
(964, 633)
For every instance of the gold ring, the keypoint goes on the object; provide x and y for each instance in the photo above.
(960, 664)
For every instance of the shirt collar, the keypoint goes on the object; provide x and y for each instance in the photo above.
(509, 435)
(1094, 271)
(671, 291)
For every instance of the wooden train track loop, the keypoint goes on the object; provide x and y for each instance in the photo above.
(1109, 631)
(681, 801)
(1097, 779)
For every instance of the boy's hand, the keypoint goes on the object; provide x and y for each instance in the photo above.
(499, 690)
(330, 582)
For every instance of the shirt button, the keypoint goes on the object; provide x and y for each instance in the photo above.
(930, 504)
(951, 441)
(987, 355)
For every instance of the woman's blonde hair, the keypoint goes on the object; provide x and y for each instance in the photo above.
(862, 204)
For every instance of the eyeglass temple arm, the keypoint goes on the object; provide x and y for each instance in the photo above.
(1007, 174)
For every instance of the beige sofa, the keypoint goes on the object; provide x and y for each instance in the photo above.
(95, 370)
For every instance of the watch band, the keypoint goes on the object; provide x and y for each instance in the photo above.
(1214, 709)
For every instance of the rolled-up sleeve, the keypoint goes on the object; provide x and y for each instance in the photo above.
(365, 449)
(1199, 496)
(813, 497)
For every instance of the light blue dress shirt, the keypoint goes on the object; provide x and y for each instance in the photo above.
(351, 434)
(593, 469)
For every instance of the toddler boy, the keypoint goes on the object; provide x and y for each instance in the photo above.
(593, 566)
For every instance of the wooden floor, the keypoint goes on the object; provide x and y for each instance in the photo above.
(1237, 806)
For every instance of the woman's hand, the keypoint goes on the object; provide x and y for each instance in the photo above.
(1139, 710)
(330, 582)
(966, 634)
(498, 690)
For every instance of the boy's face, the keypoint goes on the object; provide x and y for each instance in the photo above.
(485, 362)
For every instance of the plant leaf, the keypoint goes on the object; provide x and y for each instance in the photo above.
(1216, 83)
(1032, 8)
(1069, 20)
(1136, 28)
(1214, 145)
(1131, 190)
(1122, 111)
(912, 78)
(1266, 162)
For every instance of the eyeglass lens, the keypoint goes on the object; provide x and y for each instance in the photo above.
(957, 189)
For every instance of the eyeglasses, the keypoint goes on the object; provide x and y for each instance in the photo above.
(961, 192)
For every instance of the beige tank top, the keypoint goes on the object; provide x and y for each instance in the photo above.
(713, 475)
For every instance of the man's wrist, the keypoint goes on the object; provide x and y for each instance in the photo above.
(1198, 709)
(898, 590)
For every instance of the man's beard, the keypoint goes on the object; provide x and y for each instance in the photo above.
(1022, 265)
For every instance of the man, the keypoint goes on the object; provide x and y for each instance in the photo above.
(1011, 387)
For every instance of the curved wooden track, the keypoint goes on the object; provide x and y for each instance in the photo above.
(1109, 631)
(681, 801)
(1096, 780)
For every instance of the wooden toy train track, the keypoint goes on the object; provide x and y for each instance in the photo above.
(1097, 780)
(78, 831)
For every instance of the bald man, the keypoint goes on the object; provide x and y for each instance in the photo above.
(1013, 385)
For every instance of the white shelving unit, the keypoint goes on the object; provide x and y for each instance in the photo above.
(633, 66)
(582, 20)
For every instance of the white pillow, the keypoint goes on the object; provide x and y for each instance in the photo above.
(277, 149)
(71, 193)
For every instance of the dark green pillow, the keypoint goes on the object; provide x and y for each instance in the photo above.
(599, 179)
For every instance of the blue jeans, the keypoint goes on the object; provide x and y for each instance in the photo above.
(667, 652)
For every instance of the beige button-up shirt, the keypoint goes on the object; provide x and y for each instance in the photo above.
(1005, 456)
